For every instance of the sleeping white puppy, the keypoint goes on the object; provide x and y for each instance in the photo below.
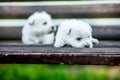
(75, 33)
(38, 29)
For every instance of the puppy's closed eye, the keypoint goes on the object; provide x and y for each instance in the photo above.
(78, 38)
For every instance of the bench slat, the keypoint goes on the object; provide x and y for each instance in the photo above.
(103, 33)
(16, 52)
(60, 58)
(102, 44)
(99, 22)
(45, 55)
(83, 8)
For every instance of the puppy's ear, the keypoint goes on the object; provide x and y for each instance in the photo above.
(68, 31)
(31, 22)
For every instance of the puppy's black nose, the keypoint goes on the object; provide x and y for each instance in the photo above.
(87, 46)
(52, 27)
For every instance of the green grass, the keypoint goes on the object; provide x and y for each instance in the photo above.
(56, 72)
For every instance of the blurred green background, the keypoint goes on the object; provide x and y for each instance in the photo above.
(58, 72)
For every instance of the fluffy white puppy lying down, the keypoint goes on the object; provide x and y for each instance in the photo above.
(75, 33)
(38, 29)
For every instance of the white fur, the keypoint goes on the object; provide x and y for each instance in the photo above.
(70, 30)
(38, 29)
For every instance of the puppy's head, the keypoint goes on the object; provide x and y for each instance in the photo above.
(79, 32)
(41, 22)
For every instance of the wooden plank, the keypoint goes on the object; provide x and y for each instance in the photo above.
(104, 33)
(105, 53)
(106, 28)
(83, 8)
(7, 33)
(98, 22)
(108, 44)
(102, 44)
(66, 55)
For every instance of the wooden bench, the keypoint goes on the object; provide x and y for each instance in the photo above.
(103, 16)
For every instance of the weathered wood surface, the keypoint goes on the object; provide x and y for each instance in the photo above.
(102, 44)
(101, 54)
(106, 28)
(83, 8)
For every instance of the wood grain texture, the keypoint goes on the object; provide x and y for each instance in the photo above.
(16, 52)
(102, 44)
(83, 8)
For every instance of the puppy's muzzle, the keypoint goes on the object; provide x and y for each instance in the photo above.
(52, 30)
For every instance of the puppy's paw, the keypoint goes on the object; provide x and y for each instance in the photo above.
(57, 45)
(95, 41)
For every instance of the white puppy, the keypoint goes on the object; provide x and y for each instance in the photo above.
(38, 29)
(75, 33)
